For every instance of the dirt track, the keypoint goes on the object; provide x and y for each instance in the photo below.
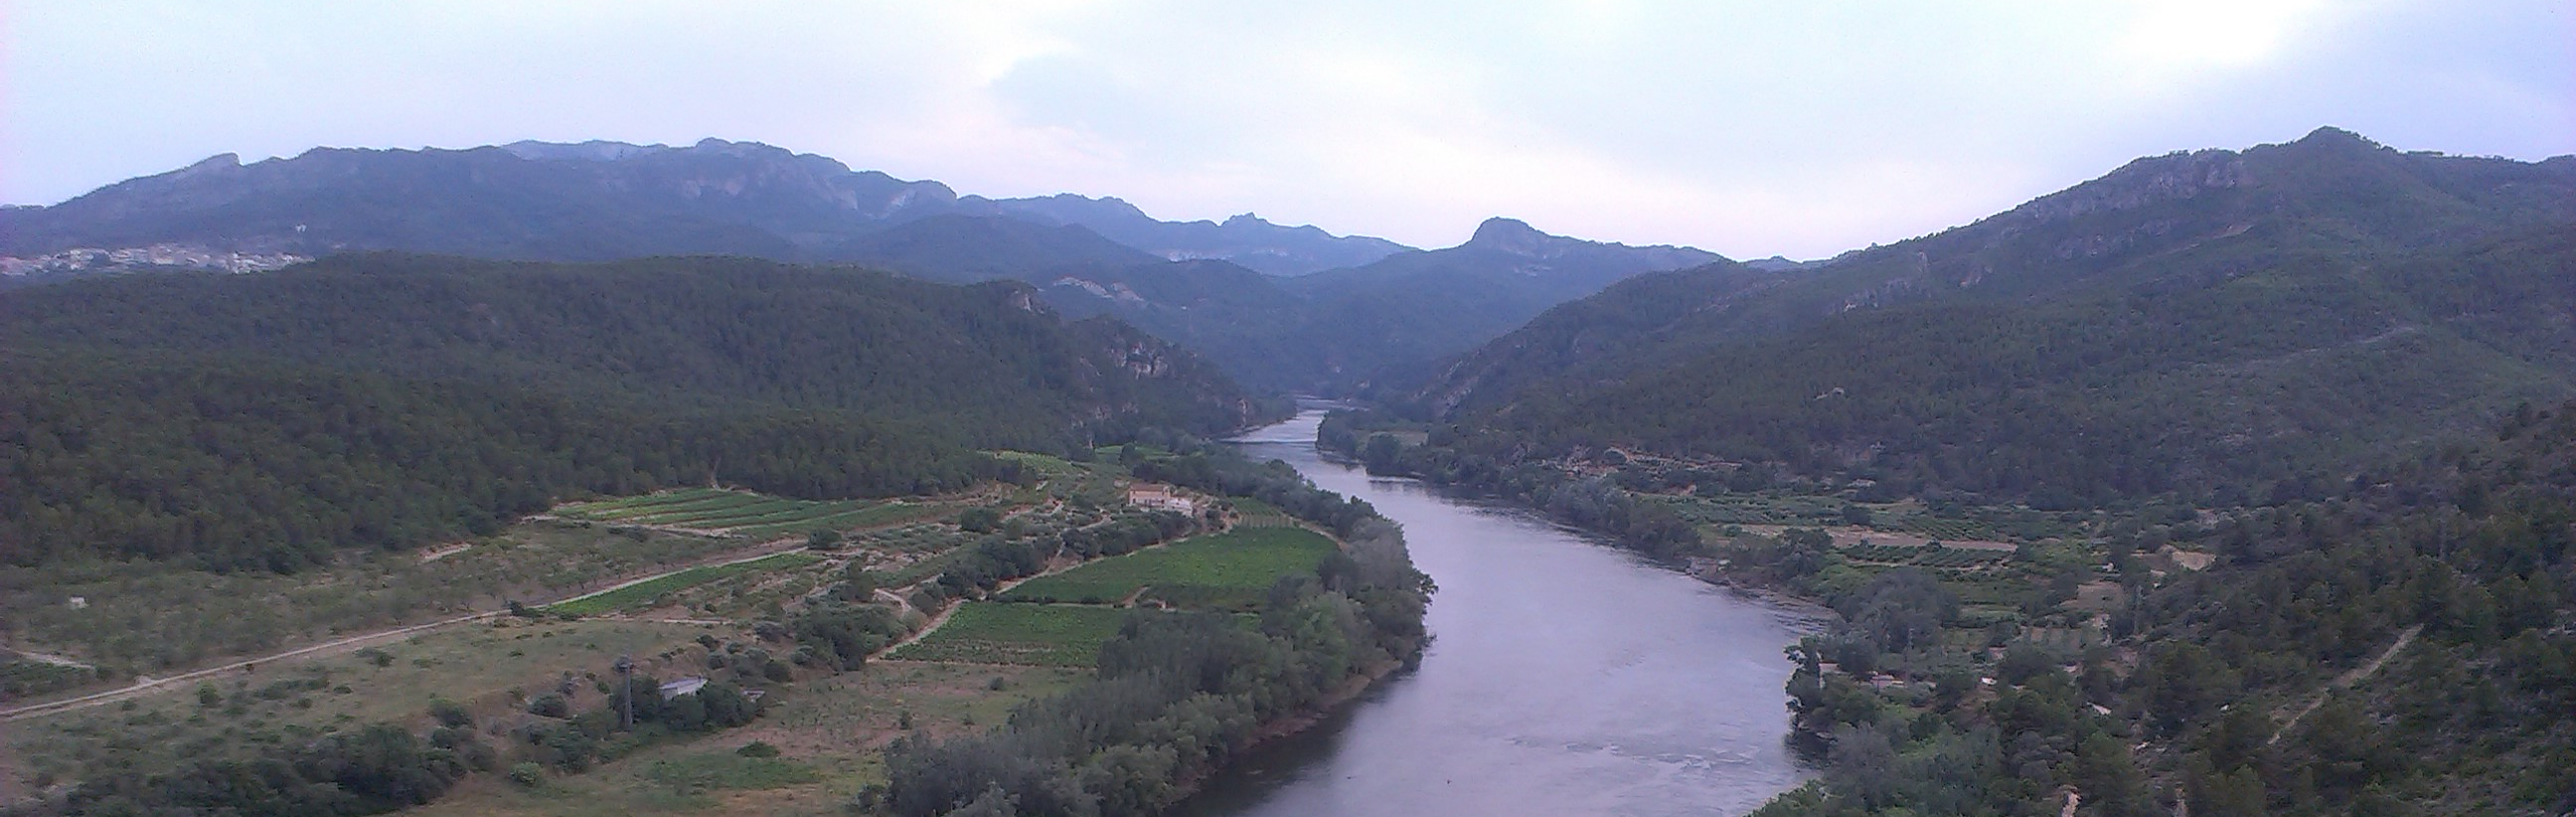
(144, 684)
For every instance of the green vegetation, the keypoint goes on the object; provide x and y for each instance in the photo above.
(2435, 596)
(476, 672)
(267, 422)
(1179, 694)
(1221, 571)
(743, 513)
(1046, 635)
(2243, 328)
(729, 770)
(645, 593)
(148, 618)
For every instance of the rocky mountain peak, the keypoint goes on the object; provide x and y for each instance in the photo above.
(1511, 235)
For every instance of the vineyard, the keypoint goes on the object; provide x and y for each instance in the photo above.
(1925, 556)
(1225, 571)
(743, 513)
(645, 594)
(1047, 635)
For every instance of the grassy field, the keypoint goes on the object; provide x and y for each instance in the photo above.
(1225, 571)
(828, 730)
(147, 618)
(487, 668)
(1045, 635)
(647, 593)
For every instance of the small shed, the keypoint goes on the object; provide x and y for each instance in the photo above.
(683, 686)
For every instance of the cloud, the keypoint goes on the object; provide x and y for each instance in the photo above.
(1745, 127)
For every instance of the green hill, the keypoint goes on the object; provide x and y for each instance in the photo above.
(387, 399)
(2216, 324)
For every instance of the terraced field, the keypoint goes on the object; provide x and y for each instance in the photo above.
(644, 593)
(1226, 571)
(1926, 556)
(743, 513)
(1043, 635)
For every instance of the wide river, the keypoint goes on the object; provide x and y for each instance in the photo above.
(1565, 677)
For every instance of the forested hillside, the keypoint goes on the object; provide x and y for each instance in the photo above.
(1329, 332)
(259, 421)
(2404, 645)
(2221, 325)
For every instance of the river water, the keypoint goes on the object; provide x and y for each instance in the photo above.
(1565, 677)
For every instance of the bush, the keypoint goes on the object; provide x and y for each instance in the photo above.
(757, 749)
(550, 705)
(528, 774)
(450, 714)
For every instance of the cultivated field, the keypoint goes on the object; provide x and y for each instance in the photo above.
(652, 593)
(1229, 571)
(1046, 635)
(743, 513)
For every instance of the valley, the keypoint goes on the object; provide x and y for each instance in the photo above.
(2231, 482)
(949, 663)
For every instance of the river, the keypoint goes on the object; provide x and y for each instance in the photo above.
(1564, 677)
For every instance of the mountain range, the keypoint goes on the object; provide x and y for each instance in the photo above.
(2212, 320)
(594, 201)
(1279, 308)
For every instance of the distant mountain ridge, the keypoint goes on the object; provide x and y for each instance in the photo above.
(593, 201)
(1325, 332)
(1281, 308)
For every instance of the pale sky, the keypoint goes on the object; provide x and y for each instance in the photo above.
(1746, 128)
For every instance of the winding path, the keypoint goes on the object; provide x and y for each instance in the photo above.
(2347, 680)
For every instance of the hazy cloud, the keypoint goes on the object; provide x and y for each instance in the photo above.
(1746, 128)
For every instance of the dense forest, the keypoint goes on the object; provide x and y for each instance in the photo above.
(2221, 326)
(260, 421)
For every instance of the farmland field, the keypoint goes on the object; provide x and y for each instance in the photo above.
(1225, 571)
(743, 513)
(644, 593)
(1046, 635)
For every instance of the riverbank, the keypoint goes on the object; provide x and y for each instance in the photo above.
(1564, 676)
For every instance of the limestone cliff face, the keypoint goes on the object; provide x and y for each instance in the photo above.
(2140, 183)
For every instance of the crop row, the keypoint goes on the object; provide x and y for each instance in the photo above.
(655, 513)
(861, 517)
(1026, 634)
(596, 509)
(1228, 571)
(645, 592)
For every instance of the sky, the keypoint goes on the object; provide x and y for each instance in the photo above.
(1746, 128)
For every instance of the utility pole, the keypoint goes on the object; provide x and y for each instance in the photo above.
(625, 667)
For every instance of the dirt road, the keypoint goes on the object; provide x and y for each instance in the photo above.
(145, 684)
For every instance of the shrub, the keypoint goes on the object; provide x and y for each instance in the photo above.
(450, 713)
(550, 705)
(528, 774)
